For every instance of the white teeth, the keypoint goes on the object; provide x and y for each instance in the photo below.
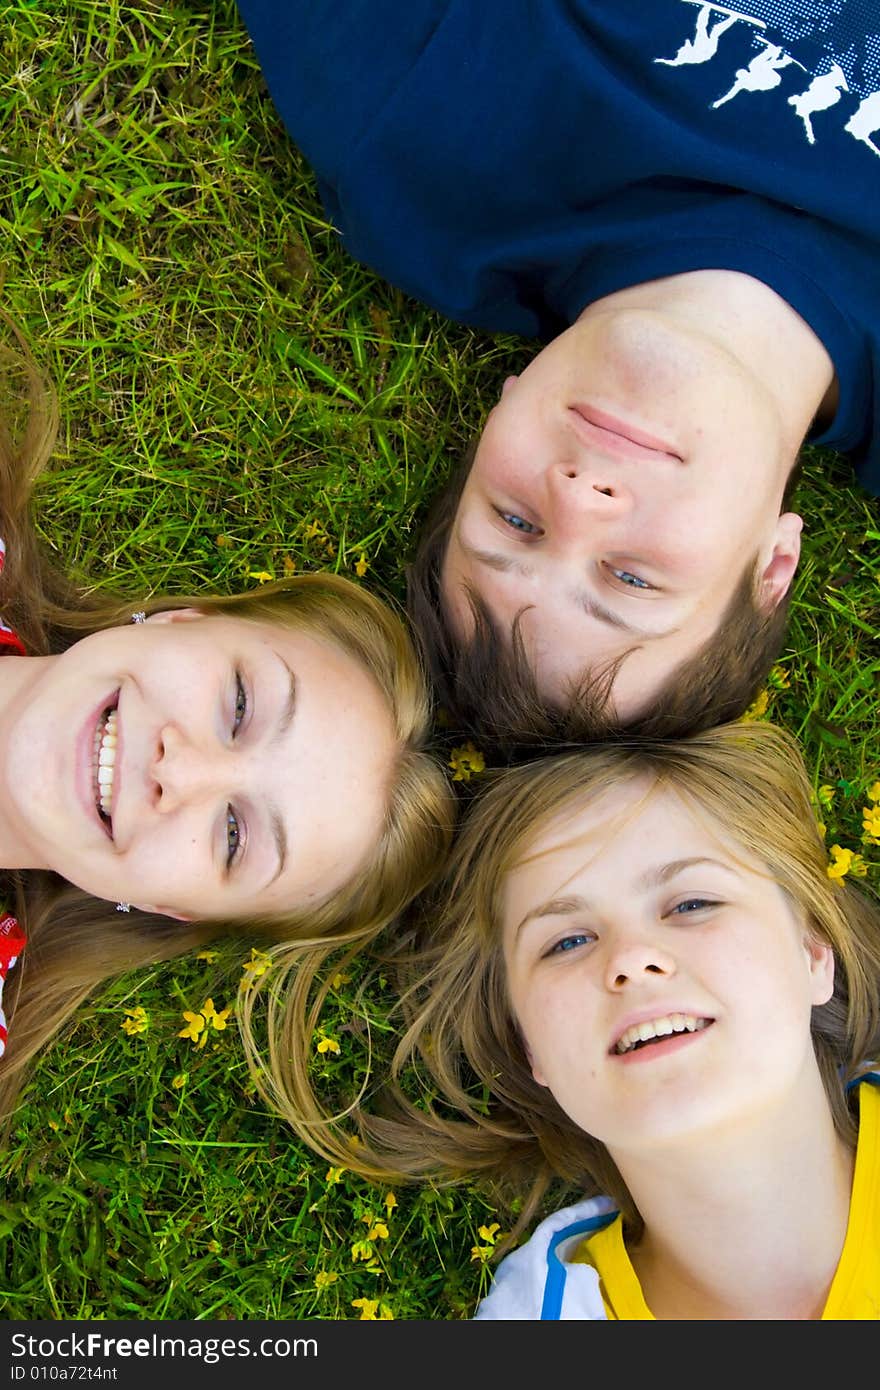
(105, 761)
(659, 1028)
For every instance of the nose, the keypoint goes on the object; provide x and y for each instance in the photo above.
(182, 771)
(636, 962)
(585, 487)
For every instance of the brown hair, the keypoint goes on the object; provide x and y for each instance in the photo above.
(486, 685)
(74, 940)
(462, 1101)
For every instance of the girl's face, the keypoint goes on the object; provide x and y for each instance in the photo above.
(248, 765)
(662, 981)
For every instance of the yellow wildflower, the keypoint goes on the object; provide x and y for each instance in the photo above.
(758, 707)
(261, 576)
(779, 678)
(377, 1232)
(195, 1025)
(324, 1278)
(340, 979)
(840, 862)
(215, 1019)
(209, 956)
(465, 761)
(873, 792)
(362, 1250)
(329, 1045)
(179, 1081)
(333, 1176)
(362, 566)
(871, 824)
(255, 967)
(489, 1233)
(136, 1021)
(481, 1253)
(369, 1308)
(857, 866)
(390, 1202)
(826, 794)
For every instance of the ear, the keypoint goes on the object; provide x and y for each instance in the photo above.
(176, 615)
(508, 382)
(820, 963)
(780, 569)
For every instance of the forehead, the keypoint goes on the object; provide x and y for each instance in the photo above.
(329, 774)
(308, 655)
(613, 839)
(562, 641)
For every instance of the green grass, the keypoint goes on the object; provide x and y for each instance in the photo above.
(238, 397)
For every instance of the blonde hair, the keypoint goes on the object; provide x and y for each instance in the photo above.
(74, 940)
(462, 1101)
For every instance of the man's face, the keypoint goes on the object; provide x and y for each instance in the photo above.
(622, 485)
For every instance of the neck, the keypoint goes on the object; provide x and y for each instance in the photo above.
(747, 319)
(17, 676)
(773, 1195)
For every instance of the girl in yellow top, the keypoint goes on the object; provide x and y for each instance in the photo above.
(639, 978)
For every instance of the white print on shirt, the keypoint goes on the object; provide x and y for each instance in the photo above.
(704, 44)
(761, 75)
(827, 85)
(822, 92)
(866, 121)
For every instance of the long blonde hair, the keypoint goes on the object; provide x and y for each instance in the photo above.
(74, 940)
(461, 1101)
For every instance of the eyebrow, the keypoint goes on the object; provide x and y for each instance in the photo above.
(651, 878)
(605, 615)
(279, 831)
(505, 564)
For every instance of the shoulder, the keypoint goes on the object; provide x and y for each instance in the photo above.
(535, 1282)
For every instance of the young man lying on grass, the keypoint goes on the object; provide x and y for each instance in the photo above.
(682, 201)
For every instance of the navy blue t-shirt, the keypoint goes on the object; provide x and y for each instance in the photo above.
(510, 161)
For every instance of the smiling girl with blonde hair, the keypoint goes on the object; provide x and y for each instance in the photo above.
(638, 978)
(158, 779)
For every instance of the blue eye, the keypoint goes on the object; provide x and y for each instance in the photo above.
(518, 523)
(632, 581)
(570, 943)
(241, 704)
(692, 905)
(233, 836)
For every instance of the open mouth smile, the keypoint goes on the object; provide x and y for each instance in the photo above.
(657, 1030)
(104, 764)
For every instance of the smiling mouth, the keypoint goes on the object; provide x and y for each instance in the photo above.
(607, 428)
(104, 765)
(658, 1030)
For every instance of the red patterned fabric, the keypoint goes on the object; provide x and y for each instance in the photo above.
(7, 637)
(12, 940)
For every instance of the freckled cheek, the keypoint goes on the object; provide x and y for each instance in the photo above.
(508, 459)
(686, 546)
